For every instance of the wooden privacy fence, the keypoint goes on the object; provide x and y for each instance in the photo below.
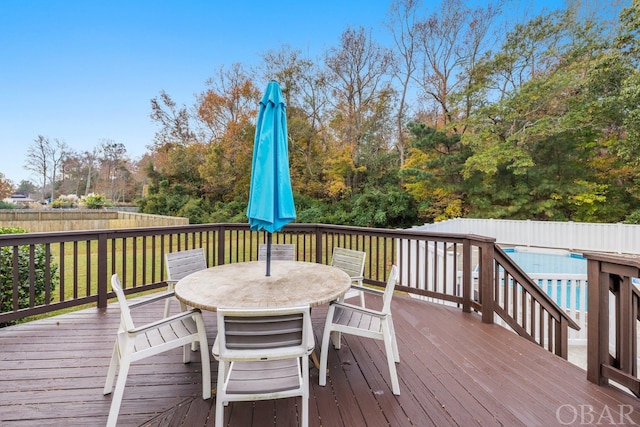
(52, 220)
(434, 266)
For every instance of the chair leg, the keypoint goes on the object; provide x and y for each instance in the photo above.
(186, 352)
(168, 300)
(388, 346)
(219, 397)
(324, 349)
(111, 373)
(336, 339)
(362, 304)
(116, 400)
(304, 420)
(204, 359)
(183, 307)
(166, 307)
(394, 341)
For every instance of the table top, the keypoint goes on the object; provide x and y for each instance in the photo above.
(245, 285)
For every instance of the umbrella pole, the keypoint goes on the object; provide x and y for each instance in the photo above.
(268, 254)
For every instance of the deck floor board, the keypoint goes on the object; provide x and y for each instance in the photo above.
(454, 371)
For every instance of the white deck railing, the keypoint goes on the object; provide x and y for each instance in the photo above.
(569, 291)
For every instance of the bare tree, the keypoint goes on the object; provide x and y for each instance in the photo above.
(361, 99)
(38, 157)
(113, 162)
(58, 152)
(402, 21)
(175, 127)
(304, 86)
(90, 158)
(451, 43)
(357, 68)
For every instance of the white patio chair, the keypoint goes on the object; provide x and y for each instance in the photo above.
(263, 354)
(180, 264)
(351, 262)
(363, 322)
(136, 343)
(279, 252)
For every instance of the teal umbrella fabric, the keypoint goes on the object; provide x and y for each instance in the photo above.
(270, 195)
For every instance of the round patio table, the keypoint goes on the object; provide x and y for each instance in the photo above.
(245, 285)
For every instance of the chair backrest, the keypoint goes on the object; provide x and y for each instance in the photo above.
(279, 252)
(125, 314)
(349, 261)
(388, 290)
(182, 263)
(261, 334)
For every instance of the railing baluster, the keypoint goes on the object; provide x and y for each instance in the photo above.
(102, 270)
(62, 271)
(430, 274)
(32, 276)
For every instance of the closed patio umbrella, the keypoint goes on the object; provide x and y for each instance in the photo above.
(270, 195)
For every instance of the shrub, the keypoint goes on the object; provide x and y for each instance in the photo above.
(39, 266)
(633, 218)
(193, 210)
(61, 204)
(5, 205)
(64, 201)
(95, 201)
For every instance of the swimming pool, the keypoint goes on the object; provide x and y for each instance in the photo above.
(534, 261)
(549, 269)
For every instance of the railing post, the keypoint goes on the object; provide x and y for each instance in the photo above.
(319, 245)
(221, 245)
(598, 321)
(486, 277)
(103, 276)
(561, 345)
(612, 274)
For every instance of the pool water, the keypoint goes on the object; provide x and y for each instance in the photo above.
(548, 262)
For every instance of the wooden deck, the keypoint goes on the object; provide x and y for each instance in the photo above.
(454, 370)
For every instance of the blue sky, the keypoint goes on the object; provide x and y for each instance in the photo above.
(85, 70)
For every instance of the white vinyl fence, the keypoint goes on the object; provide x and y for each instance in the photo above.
(574, 236)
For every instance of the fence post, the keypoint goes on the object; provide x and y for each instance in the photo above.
(103, 277)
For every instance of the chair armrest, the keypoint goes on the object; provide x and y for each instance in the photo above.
(368, 290)
(165, 321)
(311, 339)
(359, 309)
(154, 298)
(215, 349)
